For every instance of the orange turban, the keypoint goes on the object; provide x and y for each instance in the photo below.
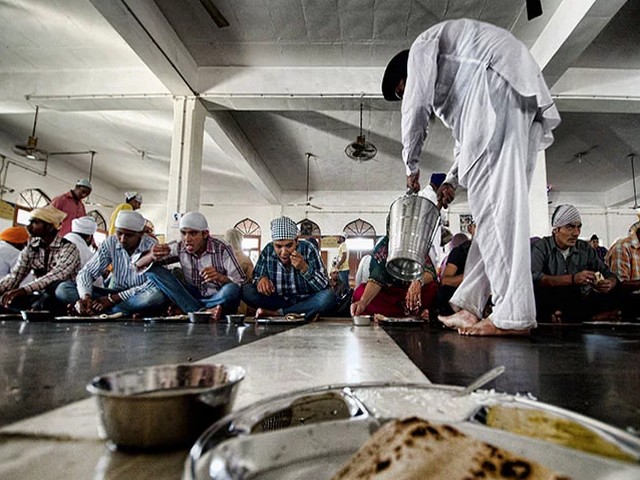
(15, 235)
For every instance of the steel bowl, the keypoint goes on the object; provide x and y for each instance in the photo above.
(36, 315)
(164, 406)
(362, 320)
(237, 319)
(199, 317)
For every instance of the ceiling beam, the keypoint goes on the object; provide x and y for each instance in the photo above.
(569, 31)
(145, 29)
(225, 132)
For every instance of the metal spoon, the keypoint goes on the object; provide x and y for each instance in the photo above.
(481, 380)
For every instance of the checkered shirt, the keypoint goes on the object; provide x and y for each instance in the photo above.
(624, 258)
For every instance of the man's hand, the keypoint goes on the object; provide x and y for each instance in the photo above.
(210, 274)
(265, 286)
(357, 308)
(101, 304)
(11, 295)
(298, 262)
(413, 182)
(606, 285)
(584, 277)
(160, 250)
(412, 300)
(446, 194)
(84, 305)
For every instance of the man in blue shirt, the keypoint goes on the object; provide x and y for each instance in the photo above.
(289, 276)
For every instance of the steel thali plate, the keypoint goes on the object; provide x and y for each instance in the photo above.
(261, 441)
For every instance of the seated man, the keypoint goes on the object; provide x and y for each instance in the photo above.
(623, 259)
(453, 272)
(342, 292)
(211, 272)
(81, 235)
(51, 259)
(386, 295)
(132, 291)
(12, 242)
(289, 276)
(571, 283)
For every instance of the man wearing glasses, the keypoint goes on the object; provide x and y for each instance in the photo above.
(486, 87)
(571, 282)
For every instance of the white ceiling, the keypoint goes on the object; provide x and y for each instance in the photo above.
(288, 76)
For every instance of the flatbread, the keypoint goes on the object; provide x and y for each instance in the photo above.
(415, 449)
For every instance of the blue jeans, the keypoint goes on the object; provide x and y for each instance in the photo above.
(314, 304)
(344, 276)
(149, 298)
(188, 298)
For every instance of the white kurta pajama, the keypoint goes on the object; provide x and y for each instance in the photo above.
(483, 84)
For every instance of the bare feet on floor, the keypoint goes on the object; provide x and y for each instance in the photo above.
(486, 328)
(460, 319)
(263, 312)
(215, 313)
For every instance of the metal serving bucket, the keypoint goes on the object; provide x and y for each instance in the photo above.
(412, 223)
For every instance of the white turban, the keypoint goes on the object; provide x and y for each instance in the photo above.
(194, 221)
(565, 215)
(84, 225)
(128, 196)
(130, 220)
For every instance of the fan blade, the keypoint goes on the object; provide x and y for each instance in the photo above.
(315, 206)
(534, 9)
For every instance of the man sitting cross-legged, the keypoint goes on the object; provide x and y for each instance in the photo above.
(289, 276)
(212, 274)
(131, 291)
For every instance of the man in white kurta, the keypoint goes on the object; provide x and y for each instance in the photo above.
(486, 87)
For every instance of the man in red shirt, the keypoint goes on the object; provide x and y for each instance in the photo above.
(71, 204)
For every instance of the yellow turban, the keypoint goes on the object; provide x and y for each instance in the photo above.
(15, 234)
(49, 214)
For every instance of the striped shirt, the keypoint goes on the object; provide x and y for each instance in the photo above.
(126, 278)
(217, 254)
(54, 263)
(289, 282)
(624, 258)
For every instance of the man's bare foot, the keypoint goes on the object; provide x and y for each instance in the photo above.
(611, 316)
(174, 310)
(486, 328)
(215, 313)
(263, 312)
(460, 319)
(556, 317)
(424, 315)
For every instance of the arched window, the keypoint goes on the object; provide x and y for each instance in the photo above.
(27, 201)
(251, 244)
(359, 228)
(310, 229)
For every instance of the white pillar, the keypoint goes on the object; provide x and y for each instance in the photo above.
(538, 200)
(186, 160)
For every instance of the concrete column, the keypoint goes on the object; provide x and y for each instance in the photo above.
(186, 161)
(538, 206)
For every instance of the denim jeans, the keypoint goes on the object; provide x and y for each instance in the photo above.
(149, 298)
(314, 304)
(188, 298)
(344, 276)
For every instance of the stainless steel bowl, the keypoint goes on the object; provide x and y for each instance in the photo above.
(199, 317)
(237, 319)
(36, 315)
(163, 406)
(362, 320)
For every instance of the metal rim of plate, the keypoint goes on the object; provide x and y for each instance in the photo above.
(280, 321)
(234, 425)
(396, 321)
(87, 319)
(169, 319)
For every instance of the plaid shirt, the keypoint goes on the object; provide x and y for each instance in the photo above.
(57, 262)
(127, 280)
(624, 258)
(289, 282)
(217, 254)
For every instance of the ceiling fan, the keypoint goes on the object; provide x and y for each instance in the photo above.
(30, 150)
(580, 157)
(361, 150)
(308, 202)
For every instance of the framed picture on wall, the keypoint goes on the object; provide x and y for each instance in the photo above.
(465, 221)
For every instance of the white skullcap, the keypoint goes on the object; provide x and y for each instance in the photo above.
(85, 225)
(128, 196)
(194, 221)
(565, 215)
(130, 220)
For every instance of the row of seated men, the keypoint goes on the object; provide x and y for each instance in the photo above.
(289, 276)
